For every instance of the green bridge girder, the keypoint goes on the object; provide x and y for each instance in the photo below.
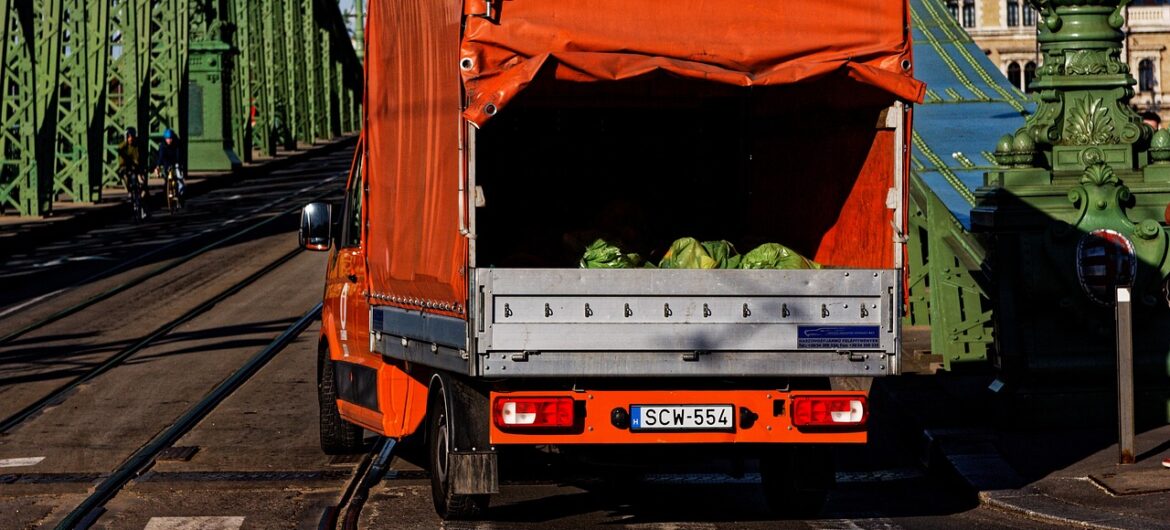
(74, 74)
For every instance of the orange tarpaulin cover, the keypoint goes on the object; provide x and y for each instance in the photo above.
(417, 258)
(418, 63)
(739, 42)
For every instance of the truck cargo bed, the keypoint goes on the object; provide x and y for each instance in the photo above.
(646, 322)
(686, 322)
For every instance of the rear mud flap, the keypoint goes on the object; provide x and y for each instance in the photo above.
(474, 467)
(474, 473)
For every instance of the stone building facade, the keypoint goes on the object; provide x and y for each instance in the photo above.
(1006, 31)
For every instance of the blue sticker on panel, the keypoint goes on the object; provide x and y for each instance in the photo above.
(838, 337)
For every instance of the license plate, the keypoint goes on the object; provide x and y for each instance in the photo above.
(682, 417)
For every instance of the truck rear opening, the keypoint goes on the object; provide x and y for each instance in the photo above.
(646, 162)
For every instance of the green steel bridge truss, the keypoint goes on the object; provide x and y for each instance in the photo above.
(74, 74)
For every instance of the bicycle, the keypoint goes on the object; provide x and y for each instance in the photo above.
(174, 197)
(135, 187)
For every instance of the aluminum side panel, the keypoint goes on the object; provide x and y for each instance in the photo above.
(551, 322)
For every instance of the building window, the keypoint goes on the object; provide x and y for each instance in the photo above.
(1029, 15)
(1029, 75)
(968, 13)
(1013, 13)
(1146, 81)
(1014, 73)
(953, 9)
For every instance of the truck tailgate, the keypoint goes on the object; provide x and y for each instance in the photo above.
(639, 322)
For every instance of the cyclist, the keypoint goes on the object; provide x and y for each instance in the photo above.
(168, 159)
(130, 167)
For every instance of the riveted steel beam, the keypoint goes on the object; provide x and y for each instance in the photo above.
(274, 111)
(321, 78)
(31, 65)
(20, 184)
(295, 73)
(243, 70)
(128, 90)
(256, 52)
(80, 112)
(344, 78)
(168, 67)
(339, 115)
(311, 56)
(329, 86)
(949, 286)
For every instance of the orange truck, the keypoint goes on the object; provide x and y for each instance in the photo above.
(501, 137)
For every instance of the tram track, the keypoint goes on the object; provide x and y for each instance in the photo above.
(60, 393)
(89, 510)
(369, 472)
(236, 244)
(170, 265)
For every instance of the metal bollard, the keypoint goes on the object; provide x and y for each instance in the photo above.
(1125, 413)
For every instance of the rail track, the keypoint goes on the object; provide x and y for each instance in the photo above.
(61, 393)
(249, 219)
(86, 513)
(370, 471)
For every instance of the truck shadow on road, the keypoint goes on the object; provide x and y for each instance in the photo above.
(551, 486)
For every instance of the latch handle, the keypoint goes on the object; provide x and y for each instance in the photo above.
(854, 356)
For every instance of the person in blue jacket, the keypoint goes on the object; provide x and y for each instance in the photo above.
(168, 158)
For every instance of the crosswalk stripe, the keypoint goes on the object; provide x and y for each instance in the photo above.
(854, 524)
(194, 523)
(21, 462)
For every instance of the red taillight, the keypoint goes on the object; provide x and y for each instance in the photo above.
(829, 411)
(533, 412)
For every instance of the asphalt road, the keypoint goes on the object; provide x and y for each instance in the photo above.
(254, 461)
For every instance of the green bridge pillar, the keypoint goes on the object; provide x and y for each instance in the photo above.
(209, 116)
(1077, 208)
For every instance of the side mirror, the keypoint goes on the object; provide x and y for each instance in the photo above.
(316, 226)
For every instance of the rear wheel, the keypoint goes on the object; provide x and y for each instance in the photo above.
(172, 184)
(797, 479)
(132, 188)
(338, 437)
(447, 504)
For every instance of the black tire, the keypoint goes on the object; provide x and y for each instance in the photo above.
(797, 479)
(172, 186)
(447, 504)
(129, 179)
(135, 199)
(338, 437)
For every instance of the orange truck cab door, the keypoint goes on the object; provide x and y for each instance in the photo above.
(347, 312)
